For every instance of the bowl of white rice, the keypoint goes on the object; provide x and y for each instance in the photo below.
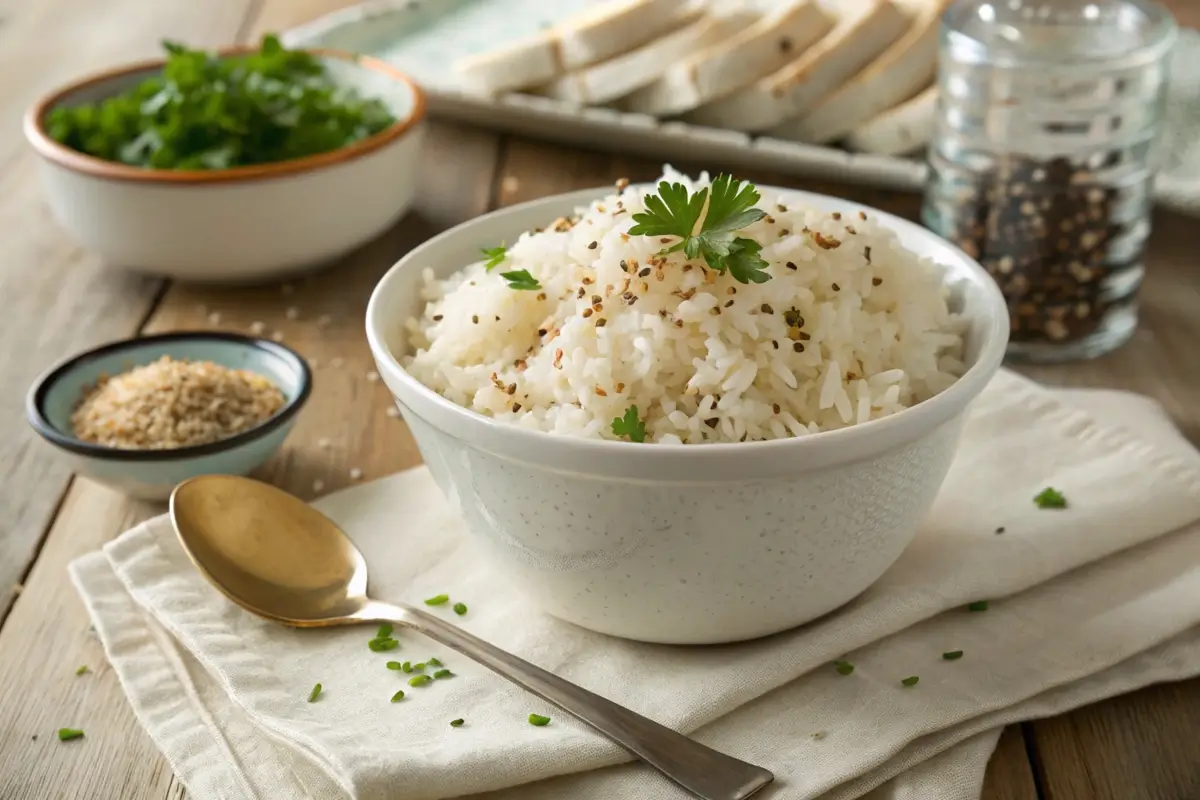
(688, 412)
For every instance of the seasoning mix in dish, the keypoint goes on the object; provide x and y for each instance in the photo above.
(688, 313)
(205, 111)
(171, 404)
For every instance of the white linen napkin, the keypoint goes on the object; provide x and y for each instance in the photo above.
(1087, 602)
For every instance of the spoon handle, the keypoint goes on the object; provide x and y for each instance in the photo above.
(701, 770)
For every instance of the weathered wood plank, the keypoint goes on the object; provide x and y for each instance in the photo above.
(1009, 776)
(57, 298)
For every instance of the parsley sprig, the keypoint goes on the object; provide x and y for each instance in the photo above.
(730, 207)
(521, 280)
(1050, 498)
(630, 425)
(495, 256)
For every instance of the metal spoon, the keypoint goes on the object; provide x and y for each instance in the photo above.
(278, 557)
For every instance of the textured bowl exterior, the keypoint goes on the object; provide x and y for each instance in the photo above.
(684, 544)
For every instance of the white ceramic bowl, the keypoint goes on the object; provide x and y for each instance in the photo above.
(686, 544)
(242, 224)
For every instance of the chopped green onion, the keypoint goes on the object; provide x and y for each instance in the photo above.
(457, 723)
(443, 673)
(1050, 498)
(953, 655)
(538, 721)
(911, 681)
(419, 680)
(314, 694)
(67, 734)
(398, 696)
(978, 605)
(383, 645)
(843, 667)
(384, 632)
(395, 665)
(460, 608)
(433, 662)
(81, 670)
(437, 600)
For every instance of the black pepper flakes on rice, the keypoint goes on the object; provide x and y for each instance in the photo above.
(862, 215)
(775, 407)
(836, 288)
(876, 281)
(791, 265)
(516, 407)
(867, 254)
(798, 347)
(511, 389)
(587, 312)
(728, 303)
(775, 344)
(836, 215)
(475, 319)
(644, 272)
(766, 309)
(601, 322)
(712, 422)
(593, 245)
(437, 317)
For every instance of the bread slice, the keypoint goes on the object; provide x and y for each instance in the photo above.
(864, 30)
(898, 131)
(617, 77)
(896, 75)
(761, 43)
(600, 32)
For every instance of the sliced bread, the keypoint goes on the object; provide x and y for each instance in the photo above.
(864, 30)
(600, 32)
(896, 75)
(761, 42)
(898, 131)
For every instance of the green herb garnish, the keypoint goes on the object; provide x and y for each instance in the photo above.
(398, 696)
(460, 608)
(912, 681)
(67, 734)
(314, 694)
(1050, 498)
(383, 645)
(419, 666)
(521, 280)
(206, 112)
(395, 665)
(630, 425)
(953, 655)
(457, 723)
(406, 666)
(443, 673)
(538, 721)
(81, 670)
(843, 667)
(433, 662)
(419, 680)
(495, 256)
(438, 600)
(978, 605)
(730, 208)
(384, 632)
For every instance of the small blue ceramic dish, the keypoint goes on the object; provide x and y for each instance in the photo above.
(152, 474)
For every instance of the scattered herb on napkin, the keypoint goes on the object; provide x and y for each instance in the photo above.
(911, 681)
(457, 723)
(314, 694)
(953, 655)
(843, 667)
(538, 721)
(67, 734)
(1050, 498)
(438, 600)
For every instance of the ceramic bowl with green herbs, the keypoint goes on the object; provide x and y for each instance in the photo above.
(235, 166)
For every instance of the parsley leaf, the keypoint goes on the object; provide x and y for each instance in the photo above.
(730, 208)
(67, 734)
(630, 425)
(521, 280)
(843, 667)
(1050, 498)
(495, 256)
(538, 721)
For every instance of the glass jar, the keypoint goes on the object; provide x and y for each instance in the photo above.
(1042, 160)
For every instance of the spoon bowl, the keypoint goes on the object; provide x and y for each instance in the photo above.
(281, 559)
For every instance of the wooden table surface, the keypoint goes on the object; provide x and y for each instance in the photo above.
(58, 300)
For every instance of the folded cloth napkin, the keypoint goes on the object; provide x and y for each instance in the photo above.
(1097, 599)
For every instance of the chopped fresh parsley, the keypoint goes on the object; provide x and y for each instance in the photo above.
(911, 681)
(419, 680)
(538, 721)
(460, 608)
(1050, 498)
(443, 673)
(495, 256)
(457, 723)
(384, 632)
(406, 666)
(978, 605)
(314, 694)
(433, 662)
(81, 670)
(67, 734)
(953, 655)
(395, 665)
(521, 280)
(204, 111)
(730, 208)
(438, 600)
(843, 667)
(383, 645)
(398, 696)
(630, 425)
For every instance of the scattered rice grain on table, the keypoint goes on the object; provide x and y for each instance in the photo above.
(170, 404)
(850, 327)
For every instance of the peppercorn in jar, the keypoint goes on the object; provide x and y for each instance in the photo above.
(1043, 158)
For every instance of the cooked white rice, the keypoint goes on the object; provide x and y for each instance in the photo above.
(702, 357)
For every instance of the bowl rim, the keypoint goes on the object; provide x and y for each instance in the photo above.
(63, 156)
(827, 447)
(35, 399)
